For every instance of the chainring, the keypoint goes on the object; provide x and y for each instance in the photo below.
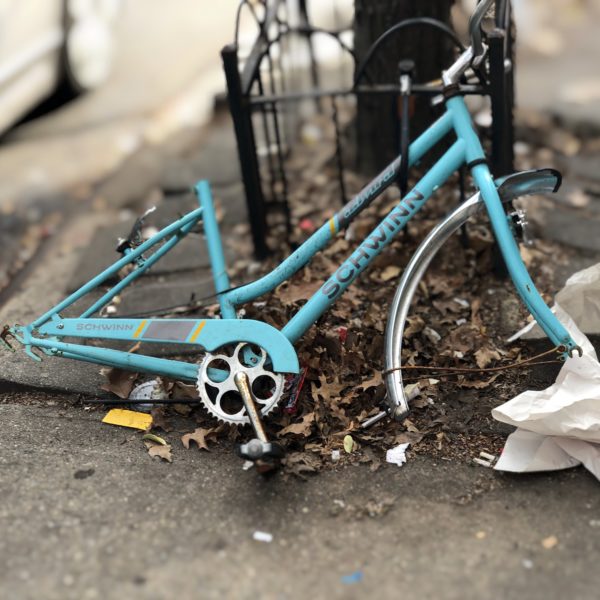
(218, 391)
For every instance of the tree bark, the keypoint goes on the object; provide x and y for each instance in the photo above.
(378, 123)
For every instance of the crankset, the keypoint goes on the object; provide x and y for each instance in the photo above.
(237, 387)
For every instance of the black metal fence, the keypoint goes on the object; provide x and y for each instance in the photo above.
(263, 88)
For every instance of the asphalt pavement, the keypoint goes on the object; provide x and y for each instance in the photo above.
(86, 513)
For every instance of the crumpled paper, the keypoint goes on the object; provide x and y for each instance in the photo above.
(559, 427)
(580, 298)
(397, 455)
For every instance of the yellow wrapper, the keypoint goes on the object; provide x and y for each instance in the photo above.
(128, 418)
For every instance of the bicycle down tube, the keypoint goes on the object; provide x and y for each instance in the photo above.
(467, 149)
(372, 246)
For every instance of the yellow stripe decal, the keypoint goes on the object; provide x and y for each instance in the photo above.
(197, 331)
(332, 226)
(139, 330)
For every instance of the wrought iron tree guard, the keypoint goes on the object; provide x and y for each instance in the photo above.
(255, 100)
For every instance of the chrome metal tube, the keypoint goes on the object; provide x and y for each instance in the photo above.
(243, 385)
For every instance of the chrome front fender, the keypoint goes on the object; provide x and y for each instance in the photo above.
(526, 183)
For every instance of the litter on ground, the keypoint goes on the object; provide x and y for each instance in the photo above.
(262, 536)
(397, 455)
(559, 427)
(128, 418)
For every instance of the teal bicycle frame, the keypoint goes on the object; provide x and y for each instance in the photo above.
(47, 333)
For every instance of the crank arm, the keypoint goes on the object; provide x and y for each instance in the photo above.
(259, 450)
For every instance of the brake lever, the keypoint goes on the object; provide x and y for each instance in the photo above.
(134, 238)
(479, 48)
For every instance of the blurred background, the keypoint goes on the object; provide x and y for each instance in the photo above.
(96, 79)
(104, 71)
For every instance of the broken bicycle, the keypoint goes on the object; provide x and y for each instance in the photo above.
(246, 383)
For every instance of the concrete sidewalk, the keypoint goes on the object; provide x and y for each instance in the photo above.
(85, 245)
(557, 71)
(86, 513)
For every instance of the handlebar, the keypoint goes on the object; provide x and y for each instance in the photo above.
(475, 31)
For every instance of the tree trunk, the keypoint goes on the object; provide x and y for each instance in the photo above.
(378, 126)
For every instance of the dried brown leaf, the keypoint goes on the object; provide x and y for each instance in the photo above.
(486, 355)
(390, 273)
(480, 384)
(295, 291)
(184, 390)
(200, 436)
(410, 426)
(301, 463)
(159, 419)
(119, 382)
(163, 452)
(414, 325)
(373, 381)
(408, 437)
(463, 339)
(302, 428)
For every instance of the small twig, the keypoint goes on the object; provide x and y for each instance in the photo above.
(528, 362)
(474, 371)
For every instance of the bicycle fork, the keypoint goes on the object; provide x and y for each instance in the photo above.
(526, 289)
